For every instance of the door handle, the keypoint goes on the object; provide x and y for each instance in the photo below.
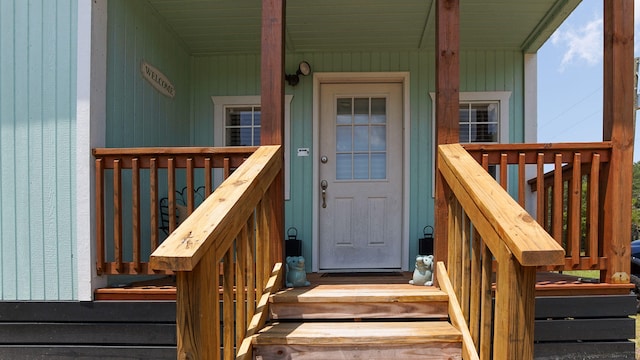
(323, 186)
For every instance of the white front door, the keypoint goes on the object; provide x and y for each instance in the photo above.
(361, 157)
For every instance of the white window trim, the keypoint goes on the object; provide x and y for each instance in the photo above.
(220, 103)
(502, 97)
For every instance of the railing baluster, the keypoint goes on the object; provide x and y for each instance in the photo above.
(153, 191)
(190, 186)
(251, 267)
(241, 291)
(574, 211)
(208, 179)
(465, 225)
(117, 215)
(476, 287)
(228, 305)
(556, 222)
(260, 243)
(486, 313)
(171, 193)
(135, 197)
(100, 246)
(504, 179)
(521, 179)
(593, 210)
(541, 194)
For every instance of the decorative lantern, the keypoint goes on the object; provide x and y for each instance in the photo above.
(293, 245)
(425, 244)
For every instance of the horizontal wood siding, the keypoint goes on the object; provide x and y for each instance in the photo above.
(37, 150)
(482, 70)
(581, 327)
(79, 330)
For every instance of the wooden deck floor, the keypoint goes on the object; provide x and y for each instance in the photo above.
(548, 284)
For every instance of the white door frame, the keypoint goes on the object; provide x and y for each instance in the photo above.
(364, 77)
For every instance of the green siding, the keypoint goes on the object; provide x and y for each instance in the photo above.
(37, 149)
(137, 114)
(481, 70)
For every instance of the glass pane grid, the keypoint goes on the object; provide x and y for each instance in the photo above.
(479, 122)
(242, 126)
(361, 140)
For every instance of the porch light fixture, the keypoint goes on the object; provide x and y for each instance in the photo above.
(304, 69)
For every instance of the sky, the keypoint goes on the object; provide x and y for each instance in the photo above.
(570, 78)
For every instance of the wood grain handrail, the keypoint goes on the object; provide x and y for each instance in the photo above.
(230, 228)
(494, 212)
(212, 223)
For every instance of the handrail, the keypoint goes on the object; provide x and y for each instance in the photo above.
(134, 184)
(565, 201)
(486, 224)
(231, 226)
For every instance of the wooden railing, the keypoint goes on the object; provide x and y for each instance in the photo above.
(485, 224)
(231, 227)
(130, 184)
(566, 199)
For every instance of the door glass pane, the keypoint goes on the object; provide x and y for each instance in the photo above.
(379, 138)
(343, 167)
(379, 166)
(361, 138)
(378, 111)
(343, 109)
(361, 166)
(361, 110)
(343, 138)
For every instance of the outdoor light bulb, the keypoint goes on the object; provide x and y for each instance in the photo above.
(304, 68)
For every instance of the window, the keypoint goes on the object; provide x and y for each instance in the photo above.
(479, 122)
(242, 126)
(484, 118)
(237, 120)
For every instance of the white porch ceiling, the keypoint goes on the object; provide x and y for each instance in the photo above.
(219, 26)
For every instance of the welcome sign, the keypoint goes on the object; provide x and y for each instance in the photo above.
(157, 79)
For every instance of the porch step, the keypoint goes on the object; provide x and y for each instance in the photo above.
(360, 301)
(358, 340)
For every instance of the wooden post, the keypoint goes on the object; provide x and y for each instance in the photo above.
(515, 308)
(272, 109)
(618, 127)
(447, 106)
(198, 311)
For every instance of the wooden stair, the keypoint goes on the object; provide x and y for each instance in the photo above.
(369, 321)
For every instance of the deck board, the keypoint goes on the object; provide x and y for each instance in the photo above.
(372, 333)
(547, 284)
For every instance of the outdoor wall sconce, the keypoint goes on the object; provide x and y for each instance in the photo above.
(304, 69)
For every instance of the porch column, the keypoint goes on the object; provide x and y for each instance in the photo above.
(272, 107)
(447, 106)
(618, 127)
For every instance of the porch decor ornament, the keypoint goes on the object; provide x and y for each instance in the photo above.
(296, 275)
(423, 274)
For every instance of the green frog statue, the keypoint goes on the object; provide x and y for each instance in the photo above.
(423, 274)
(296, 275)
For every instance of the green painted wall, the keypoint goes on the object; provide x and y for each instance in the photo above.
(481, 70)
(137, 114)
(37, 149)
